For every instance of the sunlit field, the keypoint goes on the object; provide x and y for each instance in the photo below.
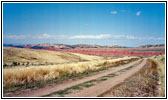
(31, 56)
(16, 76)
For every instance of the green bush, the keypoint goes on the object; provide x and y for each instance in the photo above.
(14, 63)
(5, 65)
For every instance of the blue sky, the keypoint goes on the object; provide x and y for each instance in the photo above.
(125, 24)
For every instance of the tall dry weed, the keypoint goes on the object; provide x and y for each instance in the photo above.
(17, 76)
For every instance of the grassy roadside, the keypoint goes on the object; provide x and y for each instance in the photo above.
(160, 61)
(64, 77)
(142, 84)
(89, 83)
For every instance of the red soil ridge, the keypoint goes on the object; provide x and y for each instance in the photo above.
(110, 52)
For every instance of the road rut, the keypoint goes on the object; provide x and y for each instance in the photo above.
(86, 92)
(104, 86)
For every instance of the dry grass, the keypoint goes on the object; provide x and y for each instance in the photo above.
(160, 61)
(23, 55)
(17, 76)
(142, 84)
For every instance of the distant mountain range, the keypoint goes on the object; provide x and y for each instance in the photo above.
(79, 46)
(60, 46)
(149, 46)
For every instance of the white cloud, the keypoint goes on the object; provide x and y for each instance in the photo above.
(153, 38)
(15, 36)
(116, 36)
(44, 36)
(105, 36)
(113, 12)
(138, 13)
(130, 37)
(101, 36)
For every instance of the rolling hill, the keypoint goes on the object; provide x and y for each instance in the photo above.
(24, 55)
(61, 46)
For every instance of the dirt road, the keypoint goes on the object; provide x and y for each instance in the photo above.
(104, 86)
(92, 91)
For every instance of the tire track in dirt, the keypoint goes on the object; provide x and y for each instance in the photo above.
(104, 86)
(63, 85)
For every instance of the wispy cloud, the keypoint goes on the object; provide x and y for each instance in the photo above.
(44, 36)
(101, 36)
(15, 36)
(130, 37)
(151, 38)
(113, 12)
(138, 13)
(105, 36)
(65, 37)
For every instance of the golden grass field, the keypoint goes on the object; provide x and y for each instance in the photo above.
(60, 65)
(16, 76)
(22, 55)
